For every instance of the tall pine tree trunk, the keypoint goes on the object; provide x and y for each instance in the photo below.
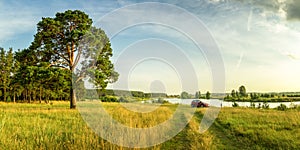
(72, 98)
(72, 88)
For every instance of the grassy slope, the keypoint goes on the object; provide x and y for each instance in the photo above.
(40, 126)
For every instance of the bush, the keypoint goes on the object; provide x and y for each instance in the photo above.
(252, 105)
(161, 100)
(259, 106)
(108, 99)
(282, 107)
(265, 105)
(123, 100)
(235, 104)
(294, 106)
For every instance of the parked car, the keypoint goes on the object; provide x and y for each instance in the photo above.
(198, 103)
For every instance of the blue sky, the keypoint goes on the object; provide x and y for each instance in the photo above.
(258, 41)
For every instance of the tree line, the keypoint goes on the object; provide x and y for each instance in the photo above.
(242, 95)
(198, 95)
(24, 78)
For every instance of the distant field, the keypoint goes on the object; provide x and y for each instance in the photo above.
(44, 126)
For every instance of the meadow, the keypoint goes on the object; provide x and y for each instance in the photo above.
(55, 126)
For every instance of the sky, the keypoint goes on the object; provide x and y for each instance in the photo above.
(173, 45)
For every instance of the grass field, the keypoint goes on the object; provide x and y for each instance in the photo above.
(44, 126)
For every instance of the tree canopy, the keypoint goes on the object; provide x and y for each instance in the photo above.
(70, 38)
(198, 95)
(7, 68)
(184, 95)
(207, 95)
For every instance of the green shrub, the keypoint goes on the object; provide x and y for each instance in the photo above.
(109, 99)
(265, 105)
(282, 107)
(294, 106)
(166, 102)
(259, 106)
(123, 100)
(252, 105)
(235, 104)
(160, 100)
